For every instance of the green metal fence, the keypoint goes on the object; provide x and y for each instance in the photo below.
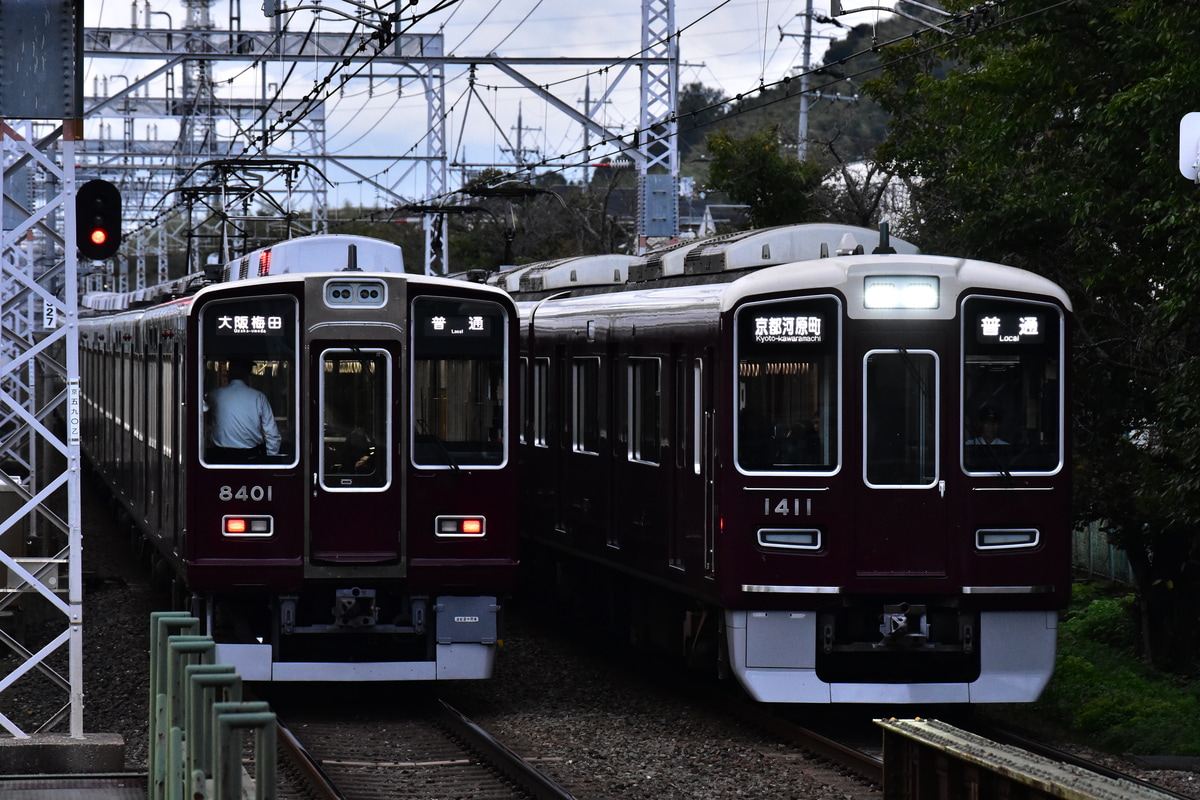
(199, 722)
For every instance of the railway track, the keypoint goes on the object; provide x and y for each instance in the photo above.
(421, 751)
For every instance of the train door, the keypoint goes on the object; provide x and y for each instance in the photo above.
(692, 534)
(561, 411)
(353, 439)
(902, 486)
(586, 498)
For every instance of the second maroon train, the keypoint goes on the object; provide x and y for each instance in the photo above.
(839, 476)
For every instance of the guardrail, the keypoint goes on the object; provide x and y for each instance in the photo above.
(931, 760)
(198, 719)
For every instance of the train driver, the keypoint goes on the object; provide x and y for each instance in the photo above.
(243, 424)
(989, 427)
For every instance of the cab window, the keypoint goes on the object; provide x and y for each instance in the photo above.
(249, 386)
(787, 385)
(1012, 386)
(459, 403)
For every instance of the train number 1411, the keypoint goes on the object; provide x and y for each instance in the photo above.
(255, 493)
(786, 507)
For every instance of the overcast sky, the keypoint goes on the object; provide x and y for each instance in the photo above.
(732, 46)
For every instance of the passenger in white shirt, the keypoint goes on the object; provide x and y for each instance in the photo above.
(243, 422)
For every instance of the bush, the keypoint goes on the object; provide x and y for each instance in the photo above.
(1103, 696)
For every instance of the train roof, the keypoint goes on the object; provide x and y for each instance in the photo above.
(717, 259)
(845, 274)
(304, 254)
(458, 286)
(318, 253)
(108, 303)
(760, 248)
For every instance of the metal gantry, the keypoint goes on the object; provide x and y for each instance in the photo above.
(41, 599)
(658, 184)
(178, 88)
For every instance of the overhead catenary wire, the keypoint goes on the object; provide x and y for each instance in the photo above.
(583, 155)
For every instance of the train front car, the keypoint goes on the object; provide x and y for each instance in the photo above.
(895, 522)
(373, 541)
(847, 473)
(357, 522)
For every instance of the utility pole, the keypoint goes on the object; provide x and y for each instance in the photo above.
(807, 101)
(518, 152)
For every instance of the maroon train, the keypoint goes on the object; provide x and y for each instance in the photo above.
(376, 543)
(842, 479)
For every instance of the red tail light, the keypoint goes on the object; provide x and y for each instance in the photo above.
(451, 526)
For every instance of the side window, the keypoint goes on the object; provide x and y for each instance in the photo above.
(459, 403)
(585, 405)
(541, 397)
(697, 414)
(524, 395)
(644, 414)
(248, 354)
(1012, 386)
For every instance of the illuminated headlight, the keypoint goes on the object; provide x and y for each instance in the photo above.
(1006, 538)
(900, 291)
(460, 526)
(241, 526)
(793, 538)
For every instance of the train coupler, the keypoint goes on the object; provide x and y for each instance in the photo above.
(355, 608)
(905, 625)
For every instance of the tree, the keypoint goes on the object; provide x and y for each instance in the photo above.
(753, 171)
(1047, 140)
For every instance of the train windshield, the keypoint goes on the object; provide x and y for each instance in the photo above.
(787, 385)
(900, 430)
(248, 350)
(355, 398)
(458, 383)
(1012, 386)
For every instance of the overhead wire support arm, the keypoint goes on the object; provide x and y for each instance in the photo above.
(838, 11)
(273, 7)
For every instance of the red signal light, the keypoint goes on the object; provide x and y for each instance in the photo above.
(235, 525)
(472, 526)
(98, 219)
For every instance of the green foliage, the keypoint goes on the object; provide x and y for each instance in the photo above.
(1049, 142)
(1108, 698)
(1107, 620)
(779, 189)
(1103, 696)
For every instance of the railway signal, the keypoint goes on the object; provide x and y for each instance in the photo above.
(98, 219)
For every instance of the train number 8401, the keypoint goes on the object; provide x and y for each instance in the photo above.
(254, 493)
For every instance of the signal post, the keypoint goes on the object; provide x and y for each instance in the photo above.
(41, 103)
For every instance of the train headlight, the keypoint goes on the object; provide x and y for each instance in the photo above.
(901, 291)
(237, 526)
(790, 538)
(1006, 538)
(459, 526)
